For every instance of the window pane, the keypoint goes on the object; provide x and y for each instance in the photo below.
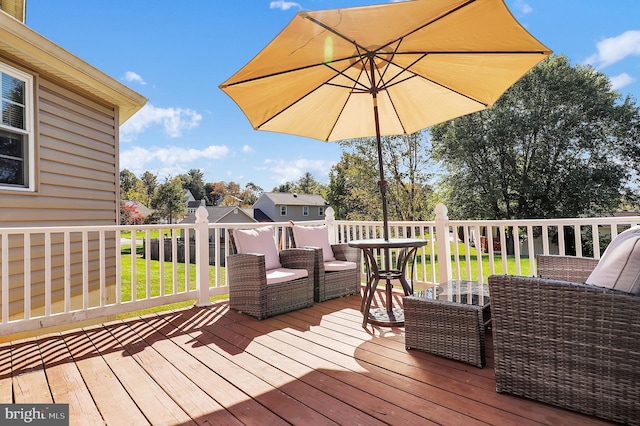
(13, 107)
(11, 145)
(11, 171)
(12, 155)
(12, 89)
(12, 115)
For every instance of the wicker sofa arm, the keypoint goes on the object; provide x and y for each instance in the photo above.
(565, 268)
(246, 273)
(568, 344)
(346, 253)
(298, 258)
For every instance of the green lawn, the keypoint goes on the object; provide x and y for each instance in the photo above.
(141, 265)
(141, 283)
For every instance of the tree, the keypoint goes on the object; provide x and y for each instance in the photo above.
(549, 147)
(194, 182)
(353, 188)
(251, 193)
(131, 188)
(150, 182)
(170, 199)
(129, 214)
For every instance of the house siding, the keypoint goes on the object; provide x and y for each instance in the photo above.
(76, 183)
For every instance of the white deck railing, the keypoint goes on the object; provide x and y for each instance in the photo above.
(61, 275)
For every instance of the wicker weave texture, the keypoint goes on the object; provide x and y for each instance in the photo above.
(447, 329)
(565, 268)
(567, 344)
(250, 293)
(334, 284)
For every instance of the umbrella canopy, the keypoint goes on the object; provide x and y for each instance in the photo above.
(384, 70)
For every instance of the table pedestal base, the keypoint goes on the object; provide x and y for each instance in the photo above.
(380, 316)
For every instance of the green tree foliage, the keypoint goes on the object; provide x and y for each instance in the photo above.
(305, 185)
(550, 147)
(131, 188)
(194, 182)
(353, 188)
(150, 182)
(169, 200)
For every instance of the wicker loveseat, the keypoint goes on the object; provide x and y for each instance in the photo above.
(566, 343)
(337, 266)
(261, 289)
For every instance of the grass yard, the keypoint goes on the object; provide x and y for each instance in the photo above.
(168, 282)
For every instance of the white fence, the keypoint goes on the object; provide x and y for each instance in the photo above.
(55, 276)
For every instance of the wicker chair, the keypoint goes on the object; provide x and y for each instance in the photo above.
(250, 289)
(566, 343)
(330, 282)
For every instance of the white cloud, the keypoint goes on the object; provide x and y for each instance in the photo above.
(291, 171)
(168, 160)
(247, 149)
(284, 5)
(133, 77)
(173, 120)
(621, 80)
(523, 7)
(615, 49)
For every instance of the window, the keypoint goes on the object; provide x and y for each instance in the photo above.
(283, 210)
(305, 210)
(320, 211)
(16, 141)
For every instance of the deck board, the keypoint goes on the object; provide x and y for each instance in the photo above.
(213, 365)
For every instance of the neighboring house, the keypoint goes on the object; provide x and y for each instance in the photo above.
(192, 203)
(282, 207)
(58, 152)
(224, 214)
(142, 210)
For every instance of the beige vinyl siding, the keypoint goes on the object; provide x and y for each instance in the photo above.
(76, 146)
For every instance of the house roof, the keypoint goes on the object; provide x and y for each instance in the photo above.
(143, 210)
(15, 8)
(260, 216)
(30, 48)
(217, 213)
(289, 199)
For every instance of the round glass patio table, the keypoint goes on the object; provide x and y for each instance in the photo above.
(406, 252)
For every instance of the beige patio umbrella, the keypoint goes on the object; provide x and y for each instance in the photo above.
(384, 70)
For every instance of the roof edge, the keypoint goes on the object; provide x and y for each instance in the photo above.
(33, 49)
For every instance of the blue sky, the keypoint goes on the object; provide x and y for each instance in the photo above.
(177, 53)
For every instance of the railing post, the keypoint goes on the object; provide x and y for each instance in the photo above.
(202, 256)
(330, 220)
(443, 243)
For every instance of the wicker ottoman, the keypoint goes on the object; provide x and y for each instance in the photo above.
(448, 320)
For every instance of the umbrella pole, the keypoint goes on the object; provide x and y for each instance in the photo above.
(382, 183)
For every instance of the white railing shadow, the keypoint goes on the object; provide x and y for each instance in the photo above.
(61, 275)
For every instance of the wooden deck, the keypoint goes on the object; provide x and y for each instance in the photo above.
(215, 366)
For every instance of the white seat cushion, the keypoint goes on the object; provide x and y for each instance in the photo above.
(281, 275)
(314, 236)
(338, 265)
(619, 267)
(258, 240)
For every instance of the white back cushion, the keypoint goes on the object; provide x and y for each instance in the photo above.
(314, 236)
(258, 240)
(619, 267)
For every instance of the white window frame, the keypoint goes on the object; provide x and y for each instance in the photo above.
(320, 211)
(283, 210)
(27, 132)
(305, 210)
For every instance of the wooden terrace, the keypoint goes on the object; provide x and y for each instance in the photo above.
(214, 365)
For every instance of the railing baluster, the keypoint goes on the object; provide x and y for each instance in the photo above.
(5, 278)
(47, 274)
(27, 275)
(85, 270)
